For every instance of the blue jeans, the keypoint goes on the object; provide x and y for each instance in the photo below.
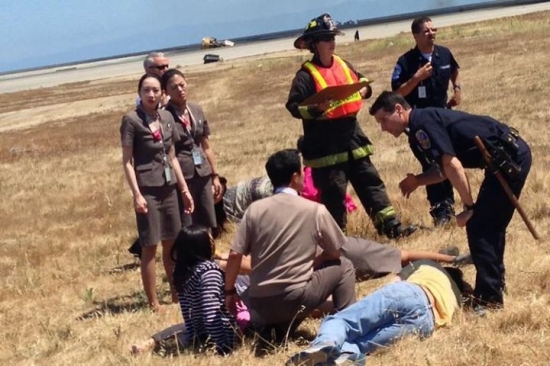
(394, 311)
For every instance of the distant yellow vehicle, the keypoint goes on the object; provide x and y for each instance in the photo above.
(212, 42)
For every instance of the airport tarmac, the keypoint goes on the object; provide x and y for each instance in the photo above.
(123, 67)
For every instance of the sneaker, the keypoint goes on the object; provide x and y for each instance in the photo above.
(322, 354)
(463, 260)
(350, 359)
(480, 310)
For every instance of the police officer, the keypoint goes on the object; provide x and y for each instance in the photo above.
(334, 146)
(422, 76)
(446, 138)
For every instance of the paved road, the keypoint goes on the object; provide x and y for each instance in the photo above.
(132, 65)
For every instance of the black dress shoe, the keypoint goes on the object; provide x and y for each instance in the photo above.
(135, 249)
(400, 231)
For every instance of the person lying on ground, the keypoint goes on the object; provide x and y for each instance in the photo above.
(236, 199)
(380, 260)
(423, 297)
(370, 258)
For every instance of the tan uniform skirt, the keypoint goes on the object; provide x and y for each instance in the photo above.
(162, 220)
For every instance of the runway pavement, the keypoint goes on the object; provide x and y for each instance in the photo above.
(133, 65)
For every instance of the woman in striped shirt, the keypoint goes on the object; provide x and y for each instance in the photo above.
(199, 284)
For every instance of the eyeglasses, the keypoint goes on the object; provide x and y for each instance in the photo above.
(325, 38)
(159, 67)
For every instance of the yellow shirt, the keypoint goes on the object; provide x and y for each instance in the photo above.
(439, 285)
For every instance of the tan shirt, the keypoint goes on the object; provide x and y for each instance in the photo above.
(439, 290)
(282, 234)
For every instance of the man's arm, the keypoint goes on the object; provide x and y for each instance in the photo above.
(456, 175)
(405, 87)
(302, 88)
(457, 90)
(231, 271)
(413, 181)
(330, 237)
(454, 171)
(240, 247)
(324, 256)
(366, 92)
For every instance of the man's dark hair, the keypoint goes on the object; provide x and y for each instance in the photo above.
(458, 278)
(387, 101)
(282, 165)
(417, 23)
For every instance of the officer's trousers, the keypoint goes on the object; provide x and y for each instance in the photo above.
(332, 181)
(486, 230)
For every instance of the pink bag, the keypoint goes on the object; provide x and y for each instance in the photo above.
(243, 315)
(311, 193)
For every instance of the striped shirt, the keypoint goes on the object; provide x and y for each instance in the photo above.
(237, 199)
(203, 308)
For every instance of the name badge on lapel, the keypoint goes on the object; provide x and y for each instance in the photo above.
(197, 159)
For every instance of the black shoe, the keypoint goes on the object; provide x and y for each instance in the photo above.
(394, 230)
(269, 339)
(135, 249)
(442, 213)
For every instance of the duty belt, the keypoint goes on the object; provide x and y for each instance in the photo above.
(503, 153)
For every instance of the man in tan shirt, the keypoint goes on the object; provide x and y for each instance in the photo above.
(294, 245)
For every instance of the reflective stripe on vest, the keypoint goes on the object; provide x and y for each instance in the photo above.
(342, 157)
(338, 74)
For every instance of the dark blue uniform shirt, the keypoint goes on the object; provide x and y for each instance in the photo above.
(443, 63)
(438, 131)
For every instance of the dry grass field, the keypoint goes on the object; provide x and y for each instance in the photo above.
(71, 293)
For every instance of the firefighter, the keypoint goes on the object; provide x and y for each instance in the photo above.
(334, 146)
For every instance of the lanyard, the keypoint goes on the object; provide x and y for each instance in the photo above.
(189, 128)
(149, 120)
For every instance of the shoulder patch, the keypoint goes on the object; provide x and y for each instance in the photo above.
(396, 72)
(423, 139)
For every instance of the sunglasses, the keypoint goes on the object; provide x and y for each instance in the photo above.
(159, 67)
(325, 38)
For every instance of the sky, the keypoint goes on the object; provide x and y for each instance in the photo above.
(38, 33)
